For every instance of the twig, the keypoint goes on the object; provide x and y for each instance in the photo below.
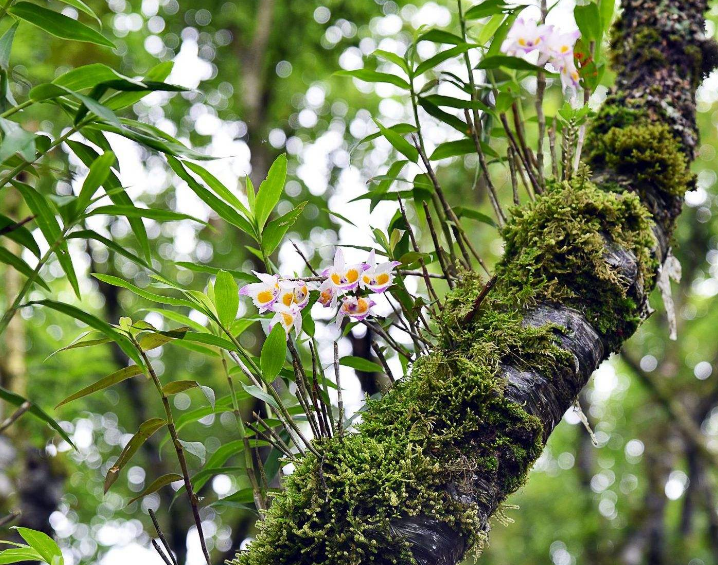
(512, 172)
(161, 535)
(193, 500)
(275, 435)
(493, 197)
(377, 351)
(552, 148)
(479, 299)
(306, 261)
(340, 402)
(541, 118)
(302, 392)
(160, 552)
(10, 420)
(437, 247)
(14, 515)
(522, 158)
(269, 439)
(325, 410)
(12, 227)
(582, 129)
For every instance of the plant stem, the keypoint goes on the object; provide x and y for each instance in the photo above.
(194, 502)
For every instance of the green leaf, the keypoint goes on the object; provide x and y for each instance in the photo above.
(18, 555)
(115, 191)
(465, 212)
(373, 76)
(21, 266)
(270, 190)
(392, 58)
(226, 295)
(443, 56)
(487, 8)
(224, 210)
(16, 140)
(588, 20)
(157, 484)
(361, 364)
(196, 448)
(94, 322)
(151, 213)
(277, 229)
(105, 382)
(80, 5)
(43, 544)
(214, 184)
(175, 387)
(399, 143)
(45, 219)
(274, 352)
(147, 429)
(453, 148)
(507, 62)
(123, 99)
(19, 234)
(440, 36)
(451, 102)
(58, 25)
(91, 234)
(87, 76)
(146, 294)
(259, 394)
(35, 410)
(442, 116)
(6, 45)
(99, 171)
(51, 91)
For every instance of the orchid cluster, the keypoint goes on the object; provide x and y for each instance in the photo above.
(342, 283)
(552, 44)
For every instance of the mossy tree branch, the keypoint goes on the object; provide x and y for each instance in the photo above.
(436, 456)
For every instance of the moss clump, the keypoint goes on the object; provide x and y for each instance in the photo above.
(648, 152)
(449, 422)
(559, 244)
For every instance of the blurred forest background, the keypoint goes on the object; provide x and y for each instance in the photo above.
(260, 74)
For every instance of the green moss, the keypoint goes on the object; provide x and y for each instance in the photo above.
(449, 421)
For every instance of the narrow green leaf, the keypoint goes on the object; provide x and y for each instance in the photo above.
(43, 544)
(80, 5)
(35, 410)
(96, 177)
(91, 234)
(373, 76)
(16, 141)
(392, 58)
(213, 183)
(487, 8)
(274, 352)
(399, 143)
(507, 62)
(259, 394)
(442, 116)
(451, 102)
(146, 294)
(19, 234)
(21, 266)
(123, 99)
(58, 25)
(361, 364)
(6, 45)
(270, 190)
(277, 229)
(147, 429)
(588, 20)
(157, 484)
(105, 382)
(151, 213)
(440, 36)
(226, 294)
(94, 322)
(443, 56)
(195, 448)
(465, 212)
(19, 555)
(175, 387)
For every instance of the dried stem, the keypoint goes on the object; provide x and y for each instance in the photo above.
(340, 401)
(380, 355)
(541, 118)
(552, 147)
(162, 537)
(512, 172)
(10, 420)
(437, 247)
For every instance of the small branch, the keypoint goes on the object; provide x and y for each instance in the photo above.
(24, 407)
(306, 261)
(437, 247)
(161, 553)
(377, 351)
(14, 515)
(12, 227)
(479, 299)
(340, 402)
(161, 535)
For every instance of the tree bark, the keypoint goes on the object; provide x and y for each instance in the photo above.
(588, 290)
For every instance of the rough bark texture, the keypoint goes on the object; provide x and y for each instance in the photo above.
(435, 458)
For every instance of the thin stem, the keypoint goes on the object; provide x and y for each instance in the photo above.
(277, 438)
(541, 118)
(161, 535)
(378, 352)
(14, 109)
(512, 172)
(17, 225)
(552, 147)
(193, 500)
(10, 420)
(437, 247)
(340, 402)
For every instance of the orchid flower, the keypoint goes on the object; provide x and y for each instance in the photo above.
(557, 48)
(327, 294)
(288, 316)
(264, 293)
(343, 277)
(293, 292)
(356, 308)
(569, 74)
(378, 278)
(524, 36)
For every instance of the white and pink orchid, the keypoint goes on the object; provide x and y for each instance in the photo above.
(554, 47)
(342, 276)
(264, 293)
(293, 293)
(357, 308)
(378, 278)
(524, 37)
(288, 316)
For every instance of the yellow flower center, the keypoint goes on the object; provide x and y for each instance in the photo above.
(336, 279)
(382, 278)
(288, 319)
(287, 299)
(352, 275)
(265, 296)
(522, 42)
